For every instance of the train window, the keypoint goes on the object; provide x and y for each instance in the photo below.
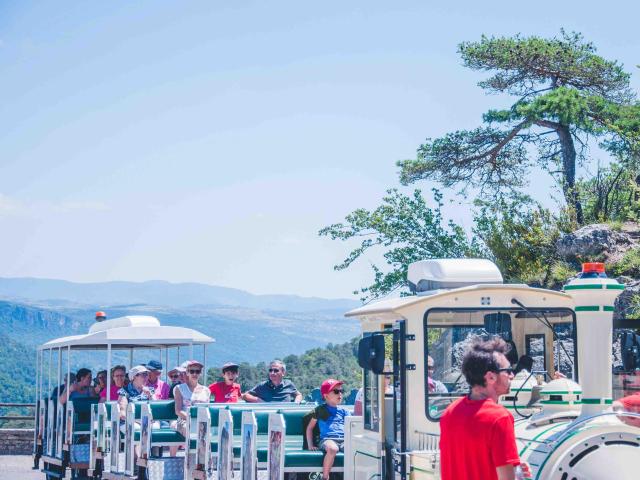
(544, 337)
(371, 406)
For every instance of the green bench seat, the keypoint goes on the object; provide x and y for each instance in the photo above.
(165, 435)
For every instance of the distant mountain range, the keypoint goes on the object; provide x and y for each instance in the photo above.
(159, 293)
(246, 327)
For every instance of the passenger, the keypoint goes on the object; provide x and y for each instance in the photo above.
(330, 418)
(183, 372)
(136, 390)
(174, 377)
(118, 374)
(81, 388)
(630, 404)
(187, 394)
(525, 364)
(276, 389)
(435, 386)
(160, 389)
(477, 438)
(100, 382)
(227, 391)
(61, 388)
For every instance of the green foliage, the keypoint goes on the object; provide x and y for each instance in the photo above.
(629, 265)
(612, 195)
(520, 237)
(308, 370)
(18, 378)
(408, 230)
(567, 95)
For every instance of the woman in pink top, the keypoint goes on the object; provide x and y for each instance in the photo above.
(118, 375)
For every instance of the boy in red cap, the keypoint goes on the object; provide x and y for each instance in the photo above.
(227, 391)
(331, 424)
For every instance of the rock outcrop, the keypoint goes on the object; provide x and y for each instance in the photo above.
(596, 242)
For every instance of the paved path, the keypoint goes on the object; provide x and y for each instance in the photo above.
(18, 467)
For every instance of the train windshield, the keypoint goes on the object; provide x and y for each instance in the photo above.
(542, 342)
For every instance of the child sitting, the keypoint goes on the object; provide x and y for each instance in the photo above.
(330, 418)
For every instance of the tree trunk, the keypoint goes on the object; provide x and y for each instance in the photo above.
(569, 167)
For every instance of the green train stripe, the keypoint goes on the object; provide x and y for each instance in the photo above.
(587, 308)
(595, 286)
(608, 309)
(590, 286)
(596, 401)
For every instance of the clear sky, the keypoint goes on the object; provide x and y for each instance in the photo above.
(209, 141)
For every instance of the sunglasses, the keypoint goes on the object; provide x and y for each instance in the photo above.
(195, 372)
(177, 375)
(338, 392)
(274, 370)
(144, 374)
(508, 371)
(431, 367)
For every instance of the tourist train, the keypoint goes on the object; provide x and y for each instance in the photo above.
(561, 403)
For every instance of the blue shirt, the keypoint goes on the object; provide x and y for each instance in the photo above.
(333, 427)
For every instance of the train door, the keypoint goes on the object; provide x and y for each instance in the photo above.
(398, 466)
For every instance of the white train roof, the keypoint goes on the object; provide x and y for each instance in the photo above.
(465, 297)
(135, 331)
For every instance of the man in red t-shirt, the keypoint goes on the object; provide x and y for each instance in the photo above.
(227, 391)
(477, 437)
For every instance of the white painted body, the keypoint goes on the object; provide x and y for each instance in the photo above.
(561, 407)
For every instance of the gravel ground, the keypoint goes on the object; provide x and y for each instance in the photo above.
(14, 467)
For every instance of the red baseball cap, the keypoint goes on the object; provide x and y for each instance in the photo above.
(329, 384)
(630, 402)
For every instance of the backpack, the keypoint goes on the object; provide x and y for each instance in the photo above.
(319, 413)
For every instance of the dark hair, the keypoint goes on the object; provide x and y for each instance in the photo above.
(524, 363)
(118, 367)
(83, 372)
(480, 358)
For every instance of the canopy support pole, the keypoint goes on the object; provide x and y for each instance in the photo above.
(130, 358)
(68, 366)
(60, 372)
(38, 393)
(204, 364)
(50, 363)
(107, 396)
(178, 356)
(166, 365)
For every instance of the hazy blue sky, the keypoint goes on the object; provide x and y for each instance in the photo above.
(209, 141)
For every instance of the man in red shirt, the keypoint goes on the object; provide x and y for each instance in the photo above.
(477, 437)
(227, 391)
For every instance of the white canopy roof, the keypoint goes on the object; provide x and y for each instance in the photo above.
(130, 332)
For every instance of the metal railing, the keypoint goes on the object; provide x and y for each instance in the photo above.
(17, 417)
(428, 441)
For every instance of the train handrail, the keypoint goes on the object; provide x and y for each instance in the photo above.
(17, 405)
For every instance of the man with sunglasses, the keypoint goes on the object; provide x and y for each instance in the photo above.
(477, 437)
(276, 389)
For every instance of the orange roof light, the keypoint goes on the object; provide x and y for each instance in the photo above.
(593, 267)
(101, 315)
